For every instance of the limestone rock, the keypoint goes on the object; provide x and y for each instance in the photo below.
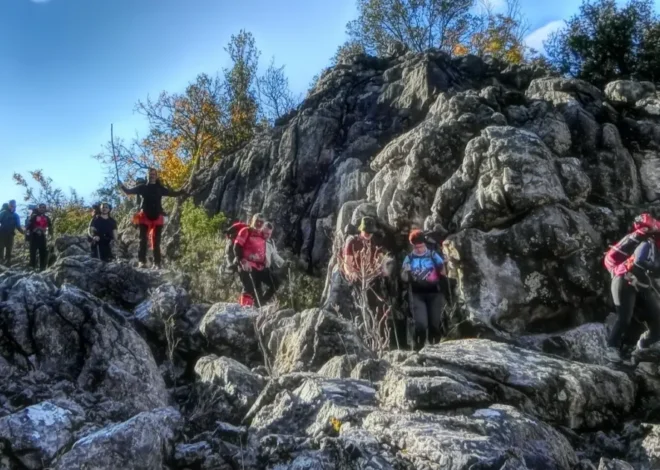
(144, 442)
(494, 437)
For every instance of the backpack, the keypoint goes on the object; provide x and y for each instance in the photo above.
(230, 236)
(619, 258)
(7, 221)
(429, 254)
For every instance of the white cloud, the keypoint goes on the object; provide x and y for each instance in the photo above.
(535, 38)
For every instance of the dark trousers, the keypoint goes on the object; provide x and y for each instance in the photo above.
(255, 281)
(144, 235)
(427, 309)
(38, 244)
(6, 246)
(102, 250)
(625, 298)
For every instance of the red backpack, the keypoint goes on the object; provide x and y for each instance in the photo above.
(619, 258)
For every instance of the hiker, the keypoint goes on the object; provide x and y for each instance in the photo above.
(10, 222)
(103, 231)
(336, 285)
(250, 256)
(633, 263)
(37, 229)
(365, 264)
(151, 216)
(423, 270)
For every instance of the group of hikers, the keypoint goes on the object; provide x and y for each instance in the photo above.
(361, 263)
(38, 228)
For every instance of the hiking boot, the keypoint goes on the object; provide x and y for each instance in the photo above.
(613, 355)
(141, 265)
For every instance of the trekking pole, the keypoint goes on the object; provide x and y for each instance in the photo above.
(114, 154)
(254, 288)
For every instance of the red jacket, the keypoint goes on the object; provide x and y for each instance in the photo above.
(254, 247)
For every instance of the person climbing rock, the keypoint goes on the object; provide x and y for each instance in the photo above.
(250, 256)
(38, 229)
(423, 270)
(10, 222)
(151, 217)
(634, 263)
(103, 231)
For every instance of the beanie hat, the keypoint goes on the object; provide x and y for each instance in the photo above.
(367, 225)
(416, 237)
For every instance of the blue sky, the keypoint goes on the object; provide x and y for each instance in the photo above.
(69, 68)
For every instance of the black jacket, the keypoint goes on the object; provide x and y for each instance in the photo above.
(152, 195)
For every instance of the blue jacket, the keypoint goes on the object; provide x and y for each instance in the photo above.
(9, 221)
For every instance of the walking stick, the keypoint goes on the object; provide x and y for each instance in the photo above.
(293, 305)
(254, 287)
(114, 154)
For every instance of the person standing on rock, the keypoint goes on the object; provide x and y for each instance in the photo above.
(150, 218)
(103, 231)
(38, 229)
(423, 270)
(632, 284)
(10, 222)
(250, 255)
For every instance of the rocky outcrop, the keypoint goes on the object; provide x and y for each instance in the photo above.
(525, 178)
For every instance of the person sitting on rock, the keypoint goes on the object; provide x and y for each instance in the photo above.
(423, 270)
(151, 216)
(38, 229)
(10, 222)
(250, 255)
(633, 283)
(103, 231)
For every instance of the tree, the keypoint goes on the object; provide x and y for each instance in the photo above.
(240, 85)
(185, 132)
(497, 34)
(604, 42)
(419, 24)
(275, 97)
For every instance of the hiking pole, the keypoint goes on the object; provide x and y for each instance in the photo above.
(254, 287)
(114, 154)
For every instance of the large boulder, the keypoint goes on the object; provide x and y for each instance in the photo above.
(38, 433)
(240, 385)
(305, 341)
(74, 339)
(144, 442)
(560, 392)
(115, 282)
(540, 273)
(628, 92)
(318, 406)
(496, 437)
(230, 330)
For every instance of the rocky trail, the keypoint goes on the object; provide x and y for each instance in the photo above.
(527, 177)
